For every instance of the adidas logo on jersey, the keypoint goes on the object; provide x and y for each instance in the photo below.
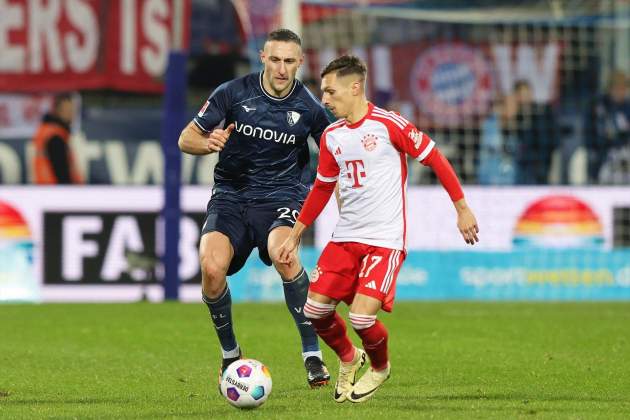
(371, 285)
(337, 151)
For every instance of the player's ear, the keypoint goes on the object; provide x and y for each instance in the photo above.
(261, 54)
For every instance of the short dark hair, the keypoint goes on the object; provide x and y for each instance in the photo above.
(285, 35)
(522, 83)
(60, 98)
(346, 65)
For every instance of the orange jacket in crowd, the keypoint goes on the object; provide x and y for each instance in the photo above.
(54, 161)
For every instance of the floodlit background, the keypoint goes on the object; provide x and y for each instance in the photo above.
(528, 99)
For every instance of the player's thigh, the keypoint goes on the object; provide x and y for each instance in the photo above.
(276, 238)
(225, 219)
(377, 277)
(264, 220)
(365, 305)
(334, 275)
(319, 298)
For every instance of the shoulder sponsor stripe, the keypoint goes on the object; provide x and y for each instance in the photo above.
(389, 118)
(401, 118)
(394, 115)
(398, 118)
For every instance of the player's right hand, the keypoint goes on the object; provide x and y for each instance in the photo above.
(218, 137)
(288, 247)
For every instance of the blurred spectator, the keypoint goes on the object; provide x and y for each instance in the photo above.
(496, 151)
(536, 134)
(54, 161)
(607, 133)
(310, 170)
(312, 85)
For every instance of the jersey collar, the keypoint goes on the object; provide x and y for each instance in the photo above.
(274, 98)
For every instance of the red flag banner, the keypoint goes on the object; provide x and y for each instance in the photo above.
(52, 45)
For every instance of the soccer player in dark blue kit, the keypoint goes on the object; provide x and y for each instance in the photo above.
(259, 124)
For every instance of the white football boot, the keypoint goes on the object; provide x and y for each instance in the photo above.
(348, 375)
(368, 384)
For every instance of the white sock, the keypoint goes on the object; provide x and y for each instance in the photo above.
(308, 354)
(230, 354)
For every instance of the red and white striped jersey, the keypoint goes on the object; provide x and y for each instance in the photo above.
(368, 159)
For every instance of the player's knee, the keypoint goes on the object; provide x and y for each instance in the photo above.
(361, 321)
(317, 310)
(286, 270)
(213, 273)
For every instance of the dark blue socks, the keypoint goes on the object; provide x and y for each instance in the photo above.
(221, 314)
(295, 292)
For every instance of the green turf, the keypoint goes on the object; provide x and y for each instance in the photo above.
(450, 360)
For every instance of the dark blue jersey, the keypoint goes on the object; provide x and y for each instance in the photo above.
(267, 150)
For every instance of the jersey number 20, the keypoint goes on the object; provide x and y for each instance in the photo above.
(287, 213)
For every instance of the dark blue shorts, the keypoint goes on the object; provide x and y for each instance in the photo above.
(248, 224)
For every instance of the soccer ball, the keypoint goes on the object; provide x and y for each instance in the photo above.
(246, 383)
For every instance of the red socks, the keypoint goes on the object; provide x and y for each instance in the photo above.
(375, 344)
(332, 330)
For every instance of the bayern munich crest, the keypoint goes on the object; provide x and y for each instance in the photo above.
(451, 82)
(315, 274)
(292, 117)
(369, 142)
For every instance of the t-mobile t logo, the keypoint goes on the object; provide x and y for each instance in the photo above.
(356, 171)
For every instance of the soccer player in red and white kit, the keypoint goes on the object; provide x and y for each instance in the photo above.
(365, 152)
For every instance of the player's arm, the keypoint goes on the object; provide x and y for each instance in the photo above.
(466, 221)
(313, 206)
(199, 137)
(327, 175)
(423, 148)
(195, 141)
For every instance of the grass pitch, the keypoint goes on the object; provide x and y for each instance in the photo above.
(449, 360)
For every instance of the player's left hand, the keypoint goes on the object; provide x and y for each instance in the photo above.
(467, 225)
(288, 249)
